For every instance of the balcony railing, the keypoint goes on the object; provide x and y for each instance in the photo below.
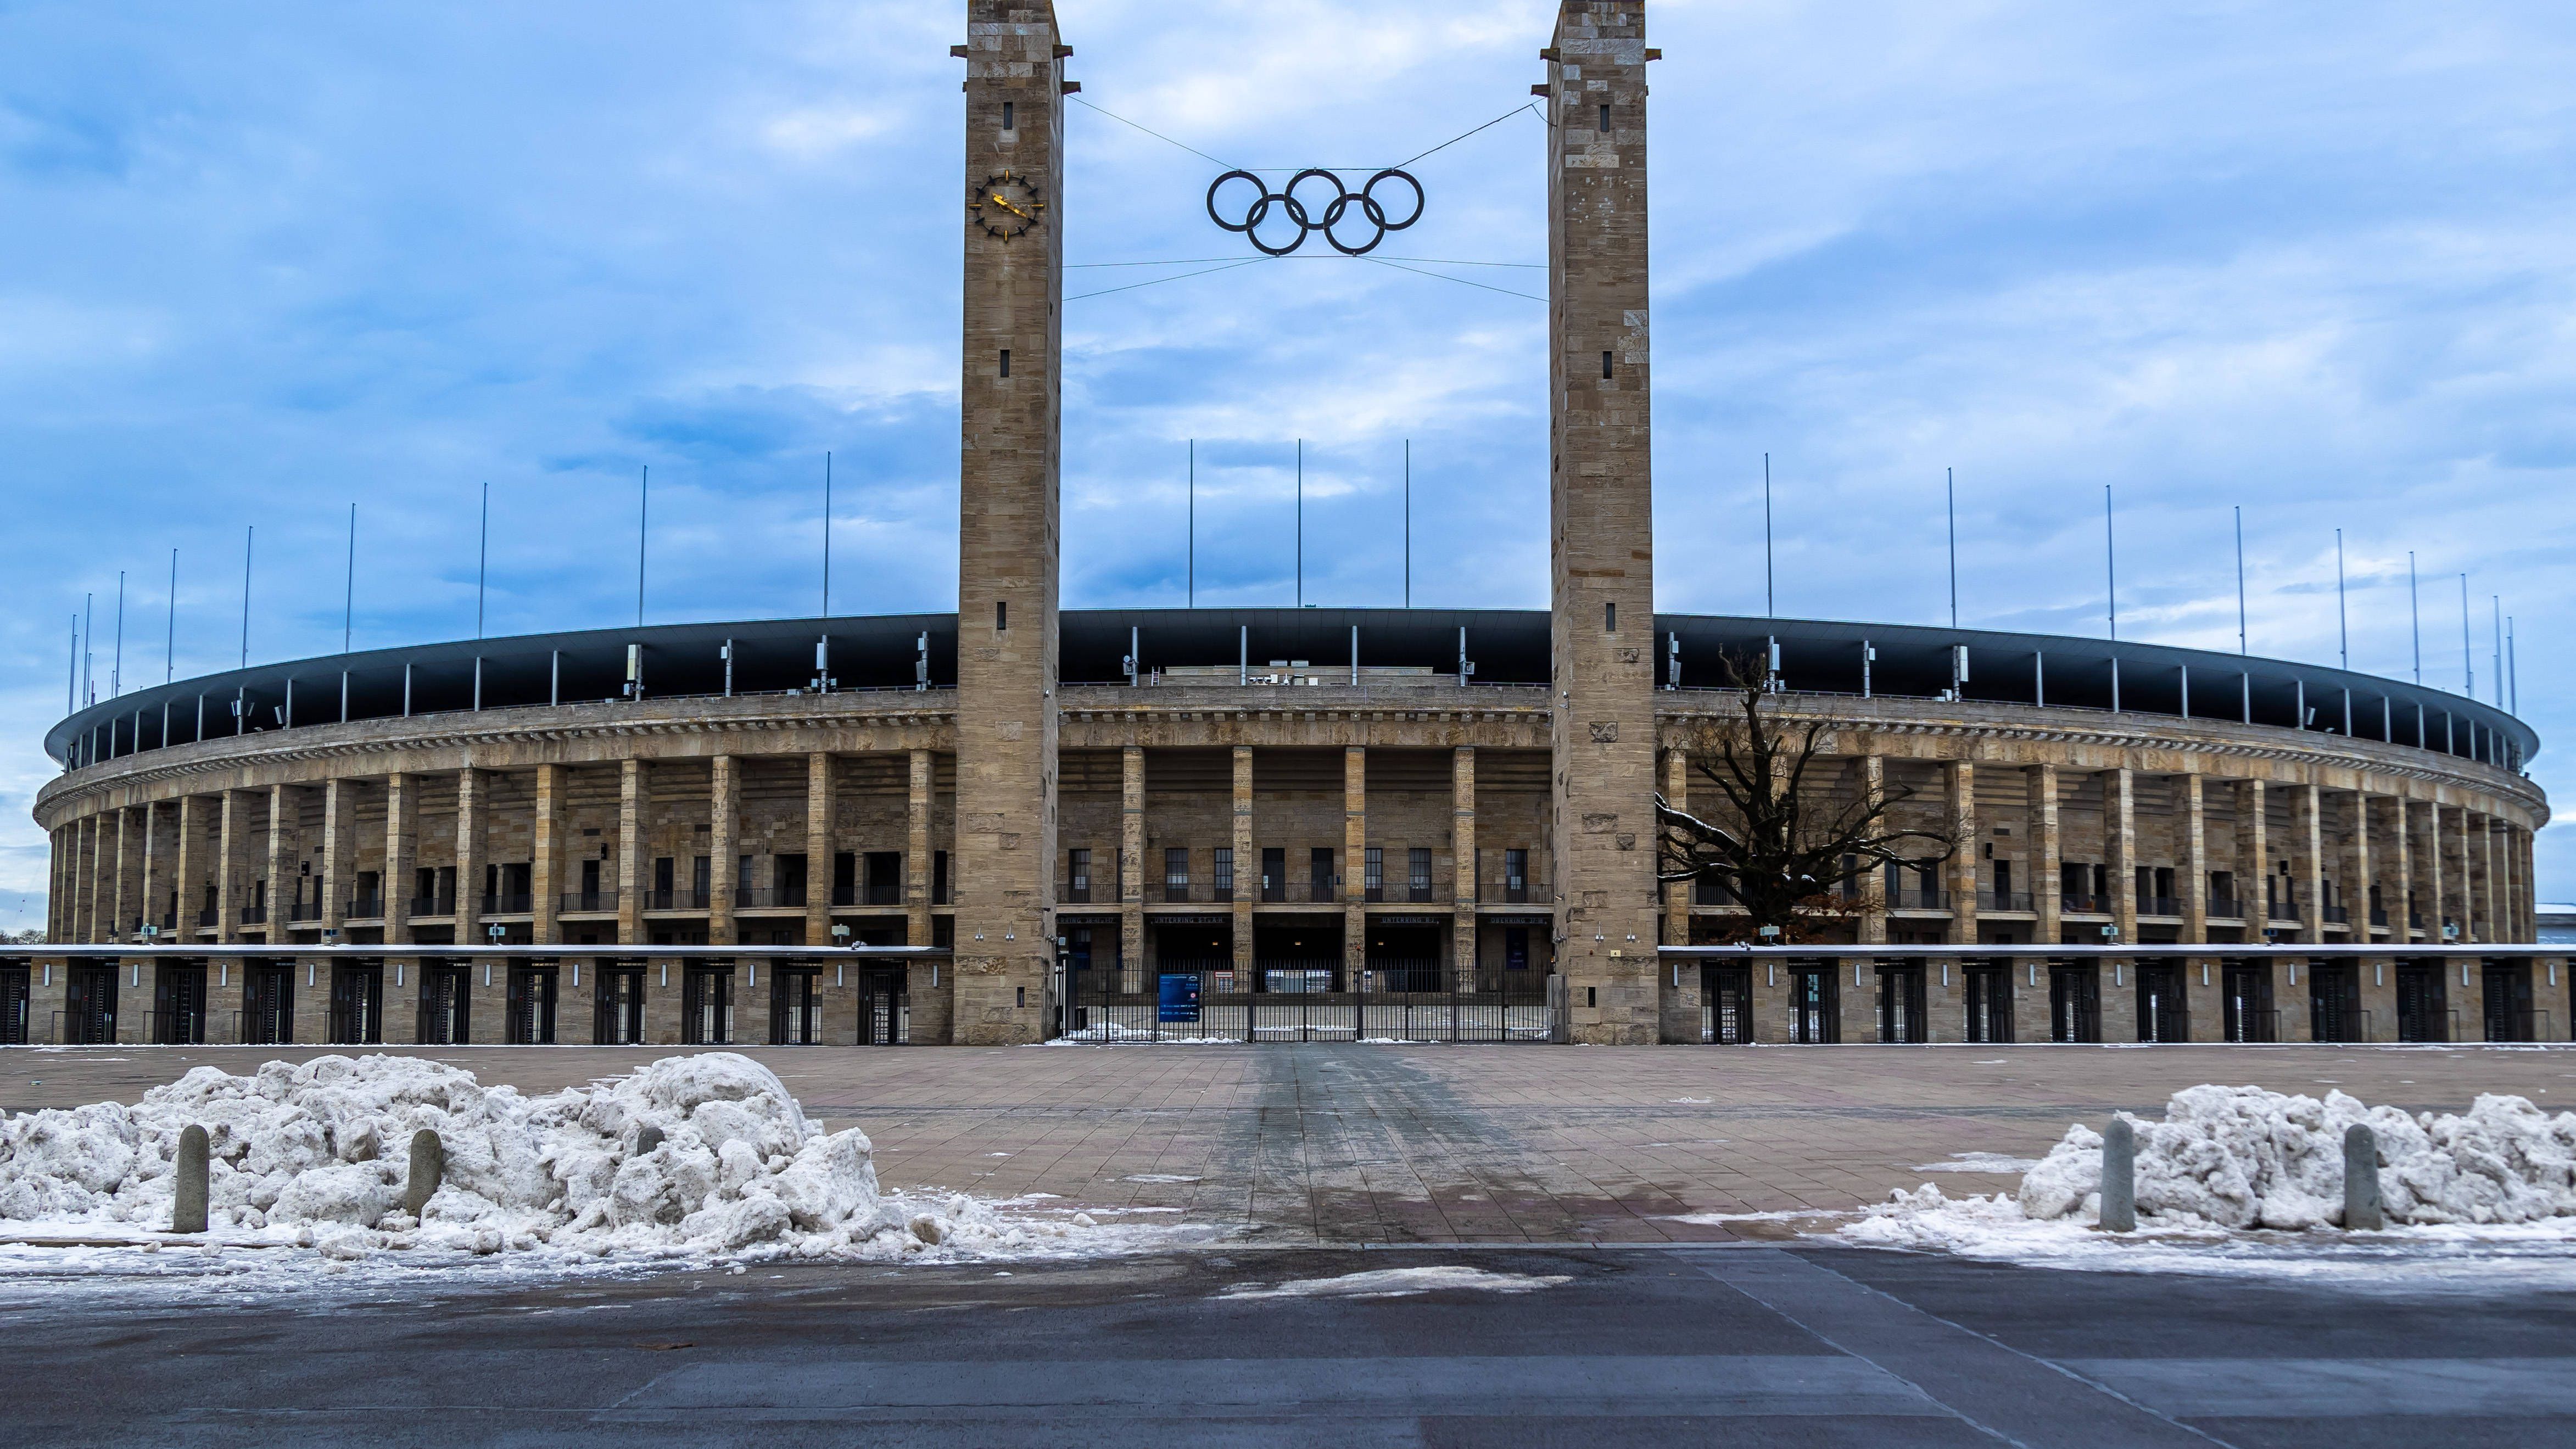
(2379, 918)
(2005, 901)
(2083, 905)
(364, 908)
(2159, 906)
(509, 904)
(675, 900)
(892, 895)
(1415, 893)
(2283, 911)
(254, 915)
(311, 912)
(2226, 908)
(1069, 892)
(756, 898)
(209, 917)
(433, 905)
(589, 902)
(1918, 899)
(1303, 892)
(2338, 915)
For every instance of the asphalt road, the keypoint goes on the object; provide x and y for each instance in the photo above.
(1731, 1344)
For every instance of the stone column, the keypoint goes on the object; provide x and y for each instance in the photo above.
(402, 803)
(469, 868)
(280, 863)
(1873, 886)
(2253, 856)
(723, 783)
(1962, 780)
(2493, 892)
(1354, 859)
(1131, 858)
(2467, 886)
(187, 859)
(2307, 860)
(1600, 492)
(631, 800)
(918, 852)
(96, 904)
(227, 869)
(2120, 844)
(2195, 861)
(1463, 857)
(339, 845)
(545, 868)
(1247, 864)
(1677, 894)
(2429, 861)
(120, 920)
(2048, 851)
(2394, 868)
(1009, 505)
(820, 838)
(2356, 869)
(155, 867)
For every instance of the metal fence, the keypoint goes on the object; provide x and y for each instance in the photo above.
(1299, 1001)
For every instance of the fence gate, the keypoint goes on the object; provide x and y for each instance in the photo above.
(706, 1006)
(2508, 1001)
(179, 1003)
(2334, 1002)
(1900, 1004)
(2075, 1003)
(1990, 1008)
(617, 1005)
(2245, 995)
(2422, 1011)
(532, 1005)
(1815, 1005)
(89, 1006)
(885, 1007)
(2163, 1012)
(446, 995)
(1300, 1001)
(358, 1003)
(268, 1003)
(795, 1009)
(14, 1003)
(1726, 1005)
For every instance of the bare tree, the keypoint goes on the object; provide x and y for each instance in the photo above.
(1785, 854)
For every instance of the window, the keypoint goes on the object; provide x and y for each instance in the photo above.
(1605, 117)
(1417, 873)
(1176, 873)
(1006, 116)
(1274, 873)
(1319, 864)
(788, 871)
(1605, 365)
(1223, 873)
(1077, 875)
(882, 877)
(1373, 874)
(701, 877)
(939, 878)
(1001, 616)
(1516, 877)
(1609, 618)
(1006, 362)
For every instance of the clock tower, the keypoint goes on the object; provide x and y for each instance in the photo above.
(1011, 415)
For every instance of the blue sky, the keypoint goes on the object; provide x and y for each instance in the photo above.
(264, 261)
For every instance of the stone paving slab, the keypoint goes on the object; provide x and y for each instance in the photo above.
(1353, 1144)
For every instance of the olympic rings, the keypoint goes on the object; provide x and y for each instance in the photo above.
(1323, 218)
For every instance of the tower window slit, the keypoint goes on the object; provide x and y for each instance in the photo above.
(1605, 365)
(1605, 118)
(1006, 116)
(1001, 616)
(1609, 618)
(1006, 361)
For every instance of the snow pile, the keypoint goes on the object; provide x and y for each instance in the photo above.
(1400, 1283)
(693, 1156)
(2233, 1158)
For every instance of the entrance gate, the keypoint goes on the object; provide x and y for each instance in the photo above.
(706, 1006)
(268, 1003)
(617, 1005)
(2163, 1014)
(2245, 997)
(358, 1003)
(89, 1006)
(1296, 1001)
(1990, 1011)
(2075, 1003)
(179, 1003)
(1815, 1005)
(2508, 1001)
(532, 1005)
(885, 1007)
(2334, 1002)
(1726, 1005)
(2423, 1013)
(795, 1009)
(14, 1003)
(1900, 1005)
(446, 996)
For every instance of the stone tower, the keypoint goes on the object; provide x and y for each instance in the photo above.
(1011, 415)
(1601, 520)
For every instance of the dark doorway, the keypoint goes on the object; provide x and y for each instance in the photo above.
(2508, 1001)
(1296, 956)
(885, 1006)
(2164, 1014)
(1405, 958)
(795, 1009)
(2075, 1003)
(446, 996)
(89, 1006)
(1990, 1006)
(358, 1003)
(268, 1003)
(1726, 1005)
(2245, 998)
(617, 1005)
(2334, 1002)
(706, 1005)
(532, 1004)
(1815, 1006)
(15, 1001)
(179, 1003)
(1900, 1005)
(2423, 1011)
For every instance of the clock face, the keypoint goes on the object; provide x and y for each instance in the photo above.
(1006, 206)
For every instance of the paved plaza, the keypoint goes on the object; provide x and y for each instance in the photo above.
(1341, 1145)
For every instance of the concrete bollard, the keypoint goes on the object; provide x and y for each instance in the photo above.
(2361, 1210)
(428, 1165)
(188, 1191)
(647, 1137)
(2119, 1177)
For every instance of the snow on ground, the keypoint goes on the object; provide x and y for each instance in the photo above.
(691, 1160)
(2239, 1179)
(1993, 1162)
(1400, 1282)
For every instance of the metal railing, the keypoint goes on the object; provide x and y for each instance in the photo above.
(2283, 911)
(2226, 908)
(1300, 892)
(1918, 899)
(2006, 901)
(2338, 915)
(588, 902)
(209, 917)
(433, 905)
(2159, 906)
(888, 895)
(2083, 905)
(674, 900)
(311, 912)
(755, 898)
(364, 908)
(516, 903)
(254, 915)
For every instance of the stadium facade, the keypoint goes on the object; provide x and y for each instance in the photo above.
(1293, 803)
